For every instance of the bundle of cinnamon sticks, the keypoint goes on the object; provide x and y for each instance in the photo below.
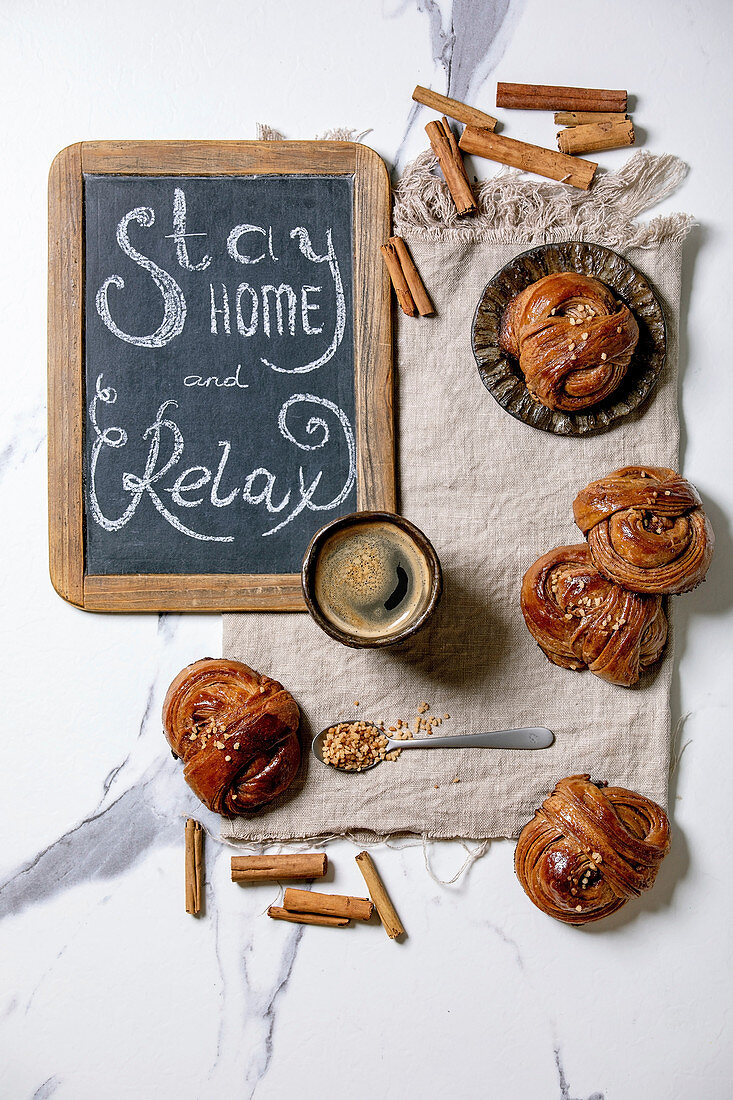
(408, 286)
(310, 907)
(594, 119)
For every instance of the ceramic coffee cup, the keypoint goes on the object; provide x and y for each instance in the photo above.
(371, 579)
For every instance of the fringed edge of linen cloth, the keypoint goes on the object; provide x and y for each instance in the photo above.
(516, 207)
(389, 840)
(340, 133)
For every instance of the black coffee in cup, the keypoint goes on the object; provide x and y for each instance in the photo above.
(372, 579)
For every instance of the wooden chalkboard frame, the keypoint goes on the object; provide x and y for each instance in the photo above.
(373, 378)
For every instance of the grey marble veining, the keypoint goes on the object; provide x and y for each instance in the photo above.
(108, 842)
(48, 1088)
(25, 439)
(563, 1082)
(467, 39)
(132, 815)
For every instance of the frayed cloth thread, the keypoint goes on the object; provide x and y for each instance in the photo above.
(396, 841)
(515, 207)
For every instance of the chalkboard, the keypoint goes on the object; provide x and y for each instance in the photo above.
(221, 342)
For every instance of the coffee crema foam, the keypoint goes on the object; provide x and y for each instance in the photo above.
(371, 580)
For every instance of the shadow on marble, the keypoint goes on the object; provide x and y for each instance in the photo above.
(673, 869)
(713, 597)
(691, 249)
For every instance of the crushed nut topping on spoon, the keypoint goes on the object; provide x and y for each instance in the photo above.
(354, 746)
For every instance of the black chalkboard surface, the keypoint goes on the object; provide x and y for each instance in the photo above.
(219, 370)
(225, 385)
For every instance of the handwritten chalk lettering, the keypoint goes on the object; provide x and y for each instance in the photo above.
(216, 310)
(316, 424)
(183, 485)
(279, 311)
(174, 303)
(179, 234)
(271, 310)
(216, 500)
(278, 293)
(251, 327)
(265, 494)
(137, 487)
(330, 258)
(240, 231)
(307, 307)
(213, 380)
(259, 488)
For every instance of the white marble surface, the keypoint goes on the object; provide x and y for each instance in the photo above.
(108, 989)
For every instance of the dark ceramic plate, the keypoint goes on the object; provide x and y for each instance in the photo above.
(500, 373)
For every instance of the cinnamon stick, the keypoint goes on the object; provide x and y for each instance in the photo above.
(584, 118)
(420, 296)
(399, 282)
(552, 97)
(451, 162)
(278, 913)
(530, 158)
(194, 866)
(595, 137)
(332, 905)
(380, 897)
(461, 112)
(296, 866)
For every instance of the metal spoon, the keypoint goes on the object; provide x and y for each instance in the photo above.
(533, 737)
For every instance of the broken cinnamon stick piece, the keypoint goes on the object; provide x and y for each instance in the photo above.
(444, 146)
(584, 118)
(420, 296)
(380, 897)
(278, 913)
(277, 868)
(461, 112)
(399, 282)
(194, 866)
(332, 905)
(553, 97)
(530, 158)
(595, 137)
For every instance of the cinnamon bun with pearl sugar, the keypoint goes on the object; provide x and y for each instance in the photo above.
(646, 529)
(573, 340)
(581, 620)
(236, 733)
(589, 849)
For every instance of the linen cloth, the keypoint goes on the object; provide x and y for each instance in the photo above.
(492, 494)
